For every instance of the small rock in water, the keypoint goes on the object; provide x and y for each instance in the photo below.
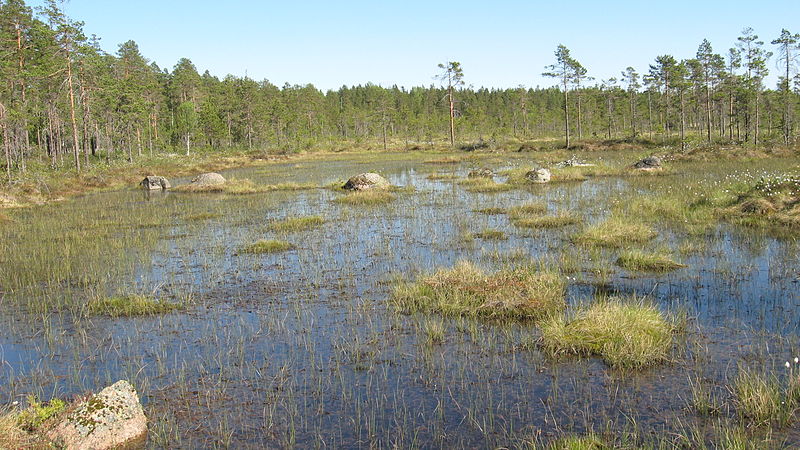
(538, 176)
(208, 179)
(109, 419)
(483, 172)
(153, 182)
(649, 163)
(365, 181)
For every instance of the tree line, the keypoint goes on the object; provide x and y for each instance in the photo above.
(66, 103)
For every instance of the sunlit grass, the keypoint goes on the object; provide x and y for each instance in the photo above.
(484, 185)
(543, 222)
(366, 198)
(626, 333)
(129, 305)
(267, 246)
(641, 261)
(296, 223)
(526, 292)
(763, 399)
(490, 234)
(615, 233)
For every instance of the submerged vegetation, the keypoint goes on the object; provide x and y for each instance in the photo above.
(290, 224)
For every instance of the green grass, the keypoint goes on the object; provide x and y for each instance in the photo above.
(199, 217)
(640, 261)
(442, 176)
(129, 305)
(763, 399)
(545, 222)
(267, 246)
(615, 233)
(465, 290)
(366, 198)
(626, 333)
(527, 209)
(588, 442)
(491, 211)
(490, 234)
(484, 185)
(37, 413)
(296, 223)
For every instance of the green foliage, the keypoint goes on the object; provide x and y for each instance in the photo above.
(37, 413)
(267, 246)
(296, 223)
(626, 333)
(615, 233)
(638, 260)
(525, 292)
(129, 305)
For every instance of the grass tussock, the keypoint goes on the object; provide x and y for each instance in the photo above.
(492, 211)
(547, 222)
(639, 261)
(267, 246)
(366, 198)
(626, 333)
(296, 223)
(129, 305)
(527, 209)
(465, 290)
(234, 186)
(442, 176)
(615, 233)
(490, 234)
(588, 442)
(484, 185)
(769, 203)
(23, 429)
(763, 399)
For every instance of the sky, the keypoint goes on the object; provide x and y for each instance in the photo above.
(499, 43)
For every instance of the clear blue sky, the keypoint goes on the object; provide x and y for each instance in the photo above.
(499, 43)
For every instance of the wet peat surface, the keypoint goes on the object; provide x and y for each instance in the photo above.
(302, 348)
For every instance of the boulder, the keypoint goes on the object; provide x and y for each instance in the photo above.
(109, 419)
(152, 182)
(649, 163)
(483, 172)
(208, 179)
(365, 181)
(538, 176)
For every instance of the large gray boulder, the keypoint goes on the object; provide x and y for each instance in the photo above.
(540, 175)
(153, 182)
(649, 163)
(366, 181)
(109, 419)
(208, 179)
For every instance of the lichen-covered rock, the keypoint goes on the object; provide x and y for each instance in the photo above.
(365, 181)
(109, 419)
(538, 176)
(208, 179)
(152, 182)
(484, 172)
(649, 163)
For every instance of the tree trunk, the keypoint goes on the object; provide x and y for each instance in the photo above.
(566, 115)
(76, 149)
(452, 118)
